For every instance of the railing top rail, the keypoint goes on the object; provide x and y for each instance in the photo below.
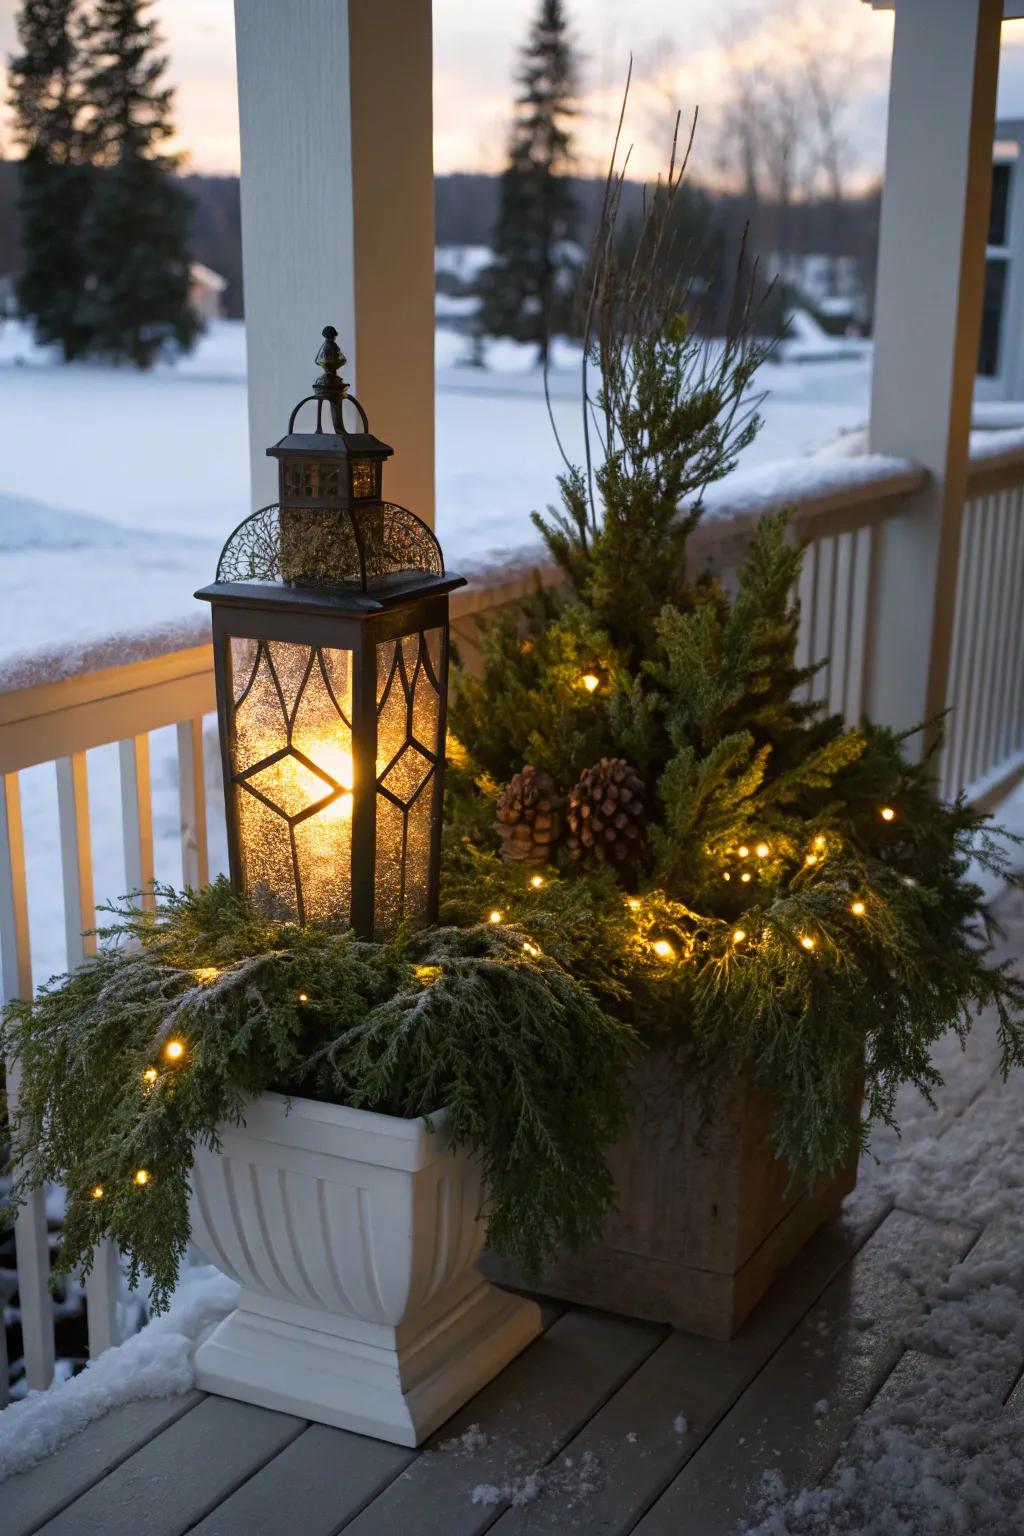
(997, 462)
(828, 495)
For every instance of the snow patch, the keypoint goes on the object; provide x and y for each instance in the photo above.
(157, 1362)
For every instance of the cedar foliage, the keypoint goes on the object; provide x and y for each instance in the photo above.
(528, 291)
(809, 940)
(468, 1021)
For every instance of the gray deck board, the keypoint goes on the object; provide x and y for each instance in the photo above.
(800, 1409)
(521, 1419)
(635, 1436)
(312, 1487)
(35, 1496)
(170, 1484)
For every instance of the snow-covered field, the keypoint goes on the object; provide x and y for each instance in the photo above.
(117, 489)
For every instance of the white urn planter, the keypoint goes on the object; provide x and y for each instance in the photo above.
(354, 1238)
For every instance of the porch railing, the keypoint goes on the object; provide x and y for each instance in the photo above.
(56, 709)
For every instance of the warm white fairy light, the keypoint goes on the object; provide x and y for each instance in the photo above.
(663, 949)
(206, 974)
(807, 941)
(426, 974)
(495, 916)
(303, 997)
(746, 877)
(633, 904)
(97, 1191)
(812, 858)
(536, 881)
(150, 1075)
(858, 908)
(590, 681)
(142, 1177)
(174, 1050)
(727, 876)
(819, 841)
(743, 850)
(887, 813)
(762, 850)
(738, 935)
(530, 949)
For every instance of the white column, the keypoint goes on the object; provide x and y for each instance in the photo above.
(931, 268)
(336, 120)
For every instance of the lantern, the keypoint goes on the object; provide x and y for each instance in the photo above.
(330, 633)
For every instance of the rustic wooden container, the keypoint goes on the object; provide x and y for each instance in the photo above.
(706, 1220)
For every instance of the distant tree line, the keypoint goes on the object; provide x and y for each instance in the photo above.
(103, 265)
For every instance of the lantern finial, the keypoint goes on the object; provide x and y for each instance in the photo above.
(330, 358)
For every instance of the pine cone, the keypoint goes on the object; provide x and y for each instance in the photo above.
(529, 817)
(607, 816)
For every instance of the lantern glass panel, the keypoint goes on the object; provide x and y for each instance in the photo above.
(408, 750)
(292, 770)
(299, 477)
(364, 478)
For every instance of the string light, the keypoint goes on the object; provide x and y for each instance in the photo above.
(495, 916)
(150, 1075)
(738, 936)
(743, 850)
(858, 908)
(206, 974)
(97, 1192)
(887, 813)
(819, 841)
(727, 876)
(536, 881)
(303, 997)
(807, 941)
(746, 877)
(425, 974)
(663, 949)
(530, 949)
(812, 858)
(633, 904)
(590, 681)
(142, 1177)
(174, 1050)
(762, 850)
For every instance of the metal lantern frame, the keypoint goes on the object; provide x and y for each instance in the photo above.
(370, 575)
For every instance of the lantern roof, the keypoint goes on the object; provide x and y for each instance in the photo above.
(330, 390)
(356, 558)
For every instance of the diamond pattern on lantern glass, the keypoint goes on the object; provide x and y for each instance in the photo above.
(289, 785)
(407, 775)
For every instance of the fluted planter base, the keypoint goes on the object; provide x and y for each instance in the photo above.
(354, 1237)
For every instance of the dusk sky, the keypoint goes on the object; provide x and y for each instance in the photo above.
(685, 52)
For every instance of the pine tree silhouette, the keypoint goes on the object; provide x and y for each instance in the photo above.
(136, 238)
(53, 177)
(528, 292)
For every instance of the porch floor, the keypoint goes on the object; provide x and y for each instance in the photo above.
(604, 1425)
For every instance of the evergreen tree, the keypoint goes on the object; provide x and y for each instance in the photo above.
(528, 291)
(53, 178)
(136, 245)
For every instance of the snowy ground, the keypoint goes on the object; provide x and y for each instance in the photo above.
(120, 516)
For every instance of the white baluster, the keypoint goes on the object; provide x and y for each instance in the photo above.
(195, 862)
(137, 815)
(31, 1246)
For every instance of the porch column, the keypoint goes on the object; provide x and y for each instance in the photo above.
(336, 120)
(931, 269)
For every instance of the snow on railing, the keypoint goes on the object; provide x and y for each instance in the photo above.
(57, 705)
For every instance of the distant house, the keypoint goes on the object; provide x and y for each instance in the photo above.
(205, 291)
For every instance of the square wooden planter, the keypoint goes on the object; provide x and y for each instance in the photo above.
(706, 1220)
